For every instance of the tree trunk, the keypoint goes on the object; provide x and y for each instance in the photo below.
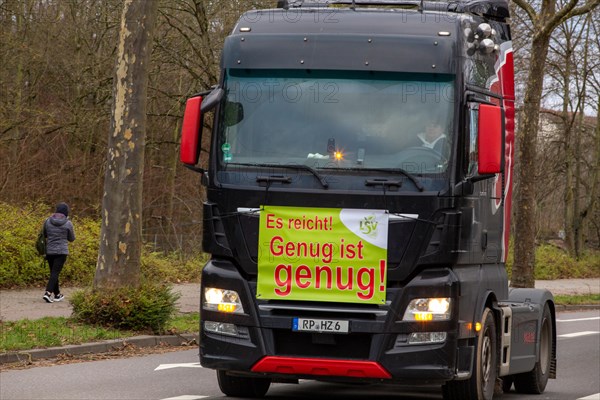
(525, 224)
(579, 214)
(171, 181)
(567, 126)
(121, 232)
(577, 217)
(594, 177)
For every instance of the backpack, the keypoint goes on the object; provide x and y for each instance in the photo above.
(40, 243)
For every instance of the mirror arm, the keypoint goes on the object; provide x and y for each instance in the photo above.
(464, 188)
(203, 177)
(205, 92)
(467, 186)
(211, 101)
(194, 168)
(478, 178)
(474, 91)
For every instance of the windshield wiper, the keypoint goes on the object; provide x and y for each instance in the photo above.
(401, 171)
(298, 167)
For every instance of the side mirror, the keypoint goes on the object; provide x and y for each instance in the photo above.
(191, 130)
(189, 151)
(489, 140)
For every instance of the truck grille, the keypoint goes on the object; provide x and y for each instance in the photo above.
(300, 344)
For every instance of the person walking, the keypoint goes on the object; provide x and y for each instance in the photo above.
(59, 231)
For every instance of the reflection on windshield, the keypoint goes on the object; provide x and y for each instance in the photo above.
(326, 119)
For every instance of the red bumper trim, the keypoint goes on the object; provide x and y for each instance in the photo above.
(321, 366)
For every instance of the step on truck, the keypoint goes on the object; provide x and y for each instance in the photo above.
(358, 192)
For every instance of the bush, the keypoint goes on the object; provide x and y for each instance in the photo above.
(555, 263)
(552, 262)
(19, 263)
(146, 308)
(172, 267)
(20, 266)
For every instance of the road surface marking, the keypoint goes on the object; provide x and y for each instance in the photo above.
(186, 397)
(184, 365)
(591, 397)
(577, 319)
(577, 334)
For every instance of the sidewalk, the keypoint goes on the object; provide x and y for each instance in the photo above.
(571, 286)
(28, 303)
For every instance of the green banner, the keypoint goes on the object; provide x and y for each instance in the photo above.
(322, 254)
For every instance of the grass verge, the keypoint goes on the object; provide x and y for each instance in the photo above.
(52, 332)
(569, 300)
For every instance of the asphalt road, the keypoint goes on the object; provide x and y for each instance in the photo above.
(177, 376)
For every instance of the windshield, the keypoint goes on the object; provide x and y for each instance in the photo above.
(337, 120)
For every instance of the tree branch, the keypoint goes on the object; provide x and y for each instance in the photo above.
(569, 11)
(525, 6)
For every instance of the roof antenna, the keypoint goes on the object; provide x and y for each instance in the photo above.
(353, 6)
(421, 6)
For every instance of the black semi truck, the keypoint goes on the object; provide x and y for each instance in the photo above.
(358, 200)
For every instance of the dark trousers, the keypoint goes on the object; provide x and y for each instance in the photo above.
(56, 263)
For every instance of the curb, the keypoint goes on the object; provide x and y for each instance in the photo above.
(98, 347)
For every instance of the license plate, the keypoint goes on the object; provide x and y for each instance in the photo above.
(320, 325)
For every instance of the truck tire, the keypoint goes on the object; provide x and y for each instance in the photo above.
(481, 384)
(534, 381)
(239, 386)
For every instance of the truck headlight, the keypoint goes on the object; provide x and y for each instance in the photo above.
(223, 300)
(431, 309)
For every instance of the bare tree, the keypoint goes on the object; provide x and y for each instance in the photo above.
(543, 21)
(56, 85)
(591, 204)
(121, 233)
(57, 62)
(569, 71)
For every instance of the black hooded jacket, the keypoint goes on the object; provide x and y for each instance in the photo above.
(59, 231)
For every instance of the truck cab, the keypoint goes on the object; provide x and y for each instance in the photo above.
(358, 194)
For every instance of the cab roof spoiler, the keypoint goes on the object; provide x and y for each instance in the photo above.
(495, 9)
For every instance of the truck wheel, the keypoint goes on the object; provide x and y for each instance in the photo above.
(238, 386)
(480, 386)
(534, 381)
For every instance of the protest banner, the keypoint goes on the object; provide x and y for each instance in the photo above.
(322, 254)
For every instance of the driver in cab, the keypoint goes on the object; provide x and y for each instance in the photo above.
(433, 137)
